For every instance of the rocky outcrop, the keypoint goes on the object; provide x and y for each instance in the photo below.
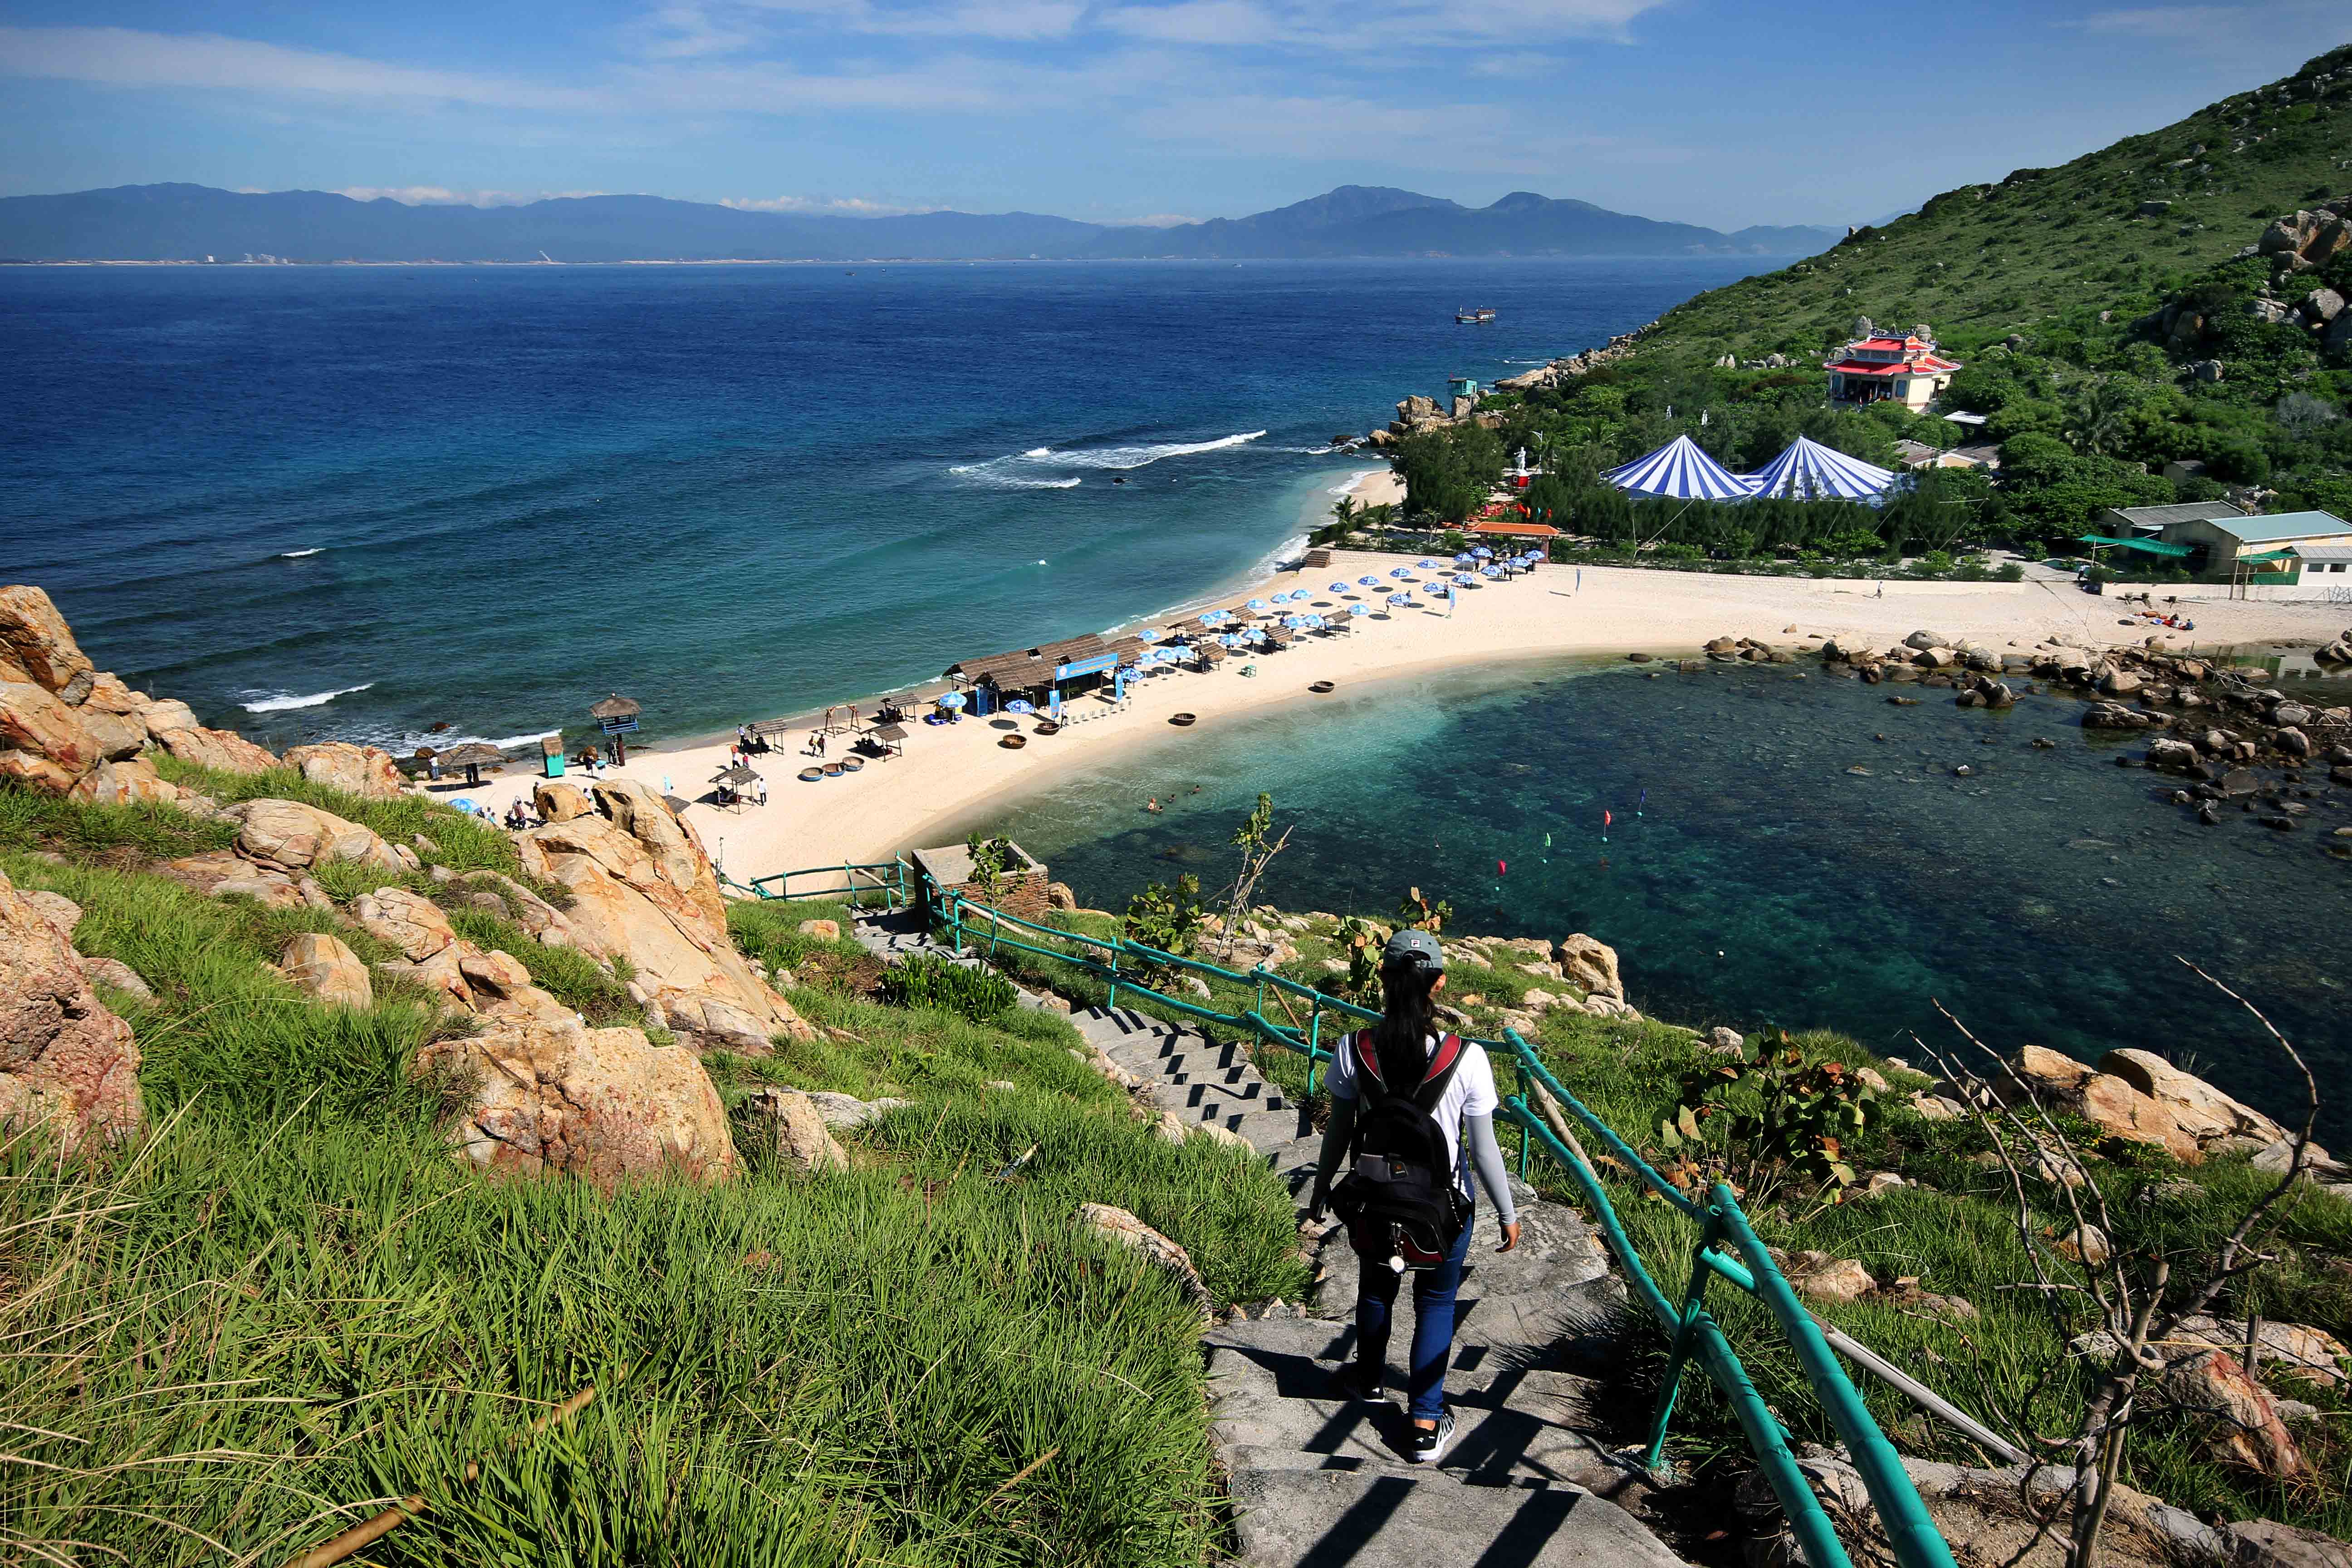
(223, 873)
(494, 984)
(325, 967)
(2118, 1109)
(558, 802)
(37, 647)
(791, 1128)
(366, 772)
(67, 1062)
(643, 889)
(288, 836)
(2205, 1111)
(223, 751)
(551, 1095)
(2237, 1418)
(1117, 1224)
(131, 782)
(1591, 966)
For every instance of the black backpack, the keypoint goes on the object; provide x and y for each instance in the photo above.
(1400, 1199)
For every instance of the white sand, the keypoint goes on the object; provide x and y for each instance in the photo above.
(949, 772)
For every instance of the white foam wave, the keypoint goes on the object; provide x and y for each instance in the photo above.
(1005, 469)
(283, 700)
(298, 554)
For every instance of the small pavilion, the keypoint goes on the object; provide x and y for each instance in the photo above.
(1881, 367)
(616, 717)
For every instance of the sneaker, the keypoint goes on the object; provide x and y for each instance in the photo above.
(1428, 1448)
(1368, 1383)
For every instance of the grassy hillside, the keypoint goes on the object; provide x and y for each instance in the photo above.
(287, 1305)
(2043, 285)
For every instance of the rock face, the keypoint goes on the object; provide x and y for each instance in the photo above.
(1591, 966)
(2237, 1415)
(643, 889)
(2064, 1084)
(65, 1061)
(556, 801)
(292, 837)
(548, 1095)
(1117, 1225)
(790, 1126)
(37, 647)
(2205, 1111)
(224, 751)
(493, 984)
(364, 771)
(326, 968)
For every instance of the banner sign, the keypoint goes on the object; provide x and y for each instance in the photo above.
(1095, 666)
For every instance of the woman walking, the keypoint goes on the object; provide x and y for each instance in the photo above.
(1413, 1110)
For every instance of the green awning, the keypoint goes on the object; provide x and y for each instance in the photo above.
(2269, 555)
(2147, 546)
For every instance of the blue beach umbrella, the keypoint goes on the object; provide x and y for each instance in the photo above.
(1424, 565)
(1258, 603)
(1464, 578)
(1354, 610)
(953, 700)
(1021, 705)
(1490, 572)
(1337, 588)
(1150, 633)
(1368, 582)
(1483, 554)
(1401, 572)
(1399, 598)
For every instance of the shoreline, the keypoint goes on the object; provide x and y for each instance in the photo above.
(949, 772)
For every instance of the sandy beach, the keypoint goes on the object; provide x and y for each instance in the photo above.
(949, 772)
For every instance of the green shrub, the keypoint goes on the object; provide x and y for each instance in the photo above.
(929, 980)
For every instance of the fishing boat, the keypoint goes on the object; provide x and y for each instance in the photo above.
(1479, 314)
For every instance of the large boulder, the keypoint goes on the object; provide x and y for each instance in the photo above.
(2197, 1105)
(1591, 966)
(409, 922)
(44, 743)
(1117, 1224)
(37, 648)
(366, 772)
(66, 1062)
(2061, 1083)
(223, 751)
(2238, 1418)
(292, 836)
(643, 889)
(134, 782)
(556, 801)
(325, 967)
(223, 873)
(794, 1130)
(551, 1095)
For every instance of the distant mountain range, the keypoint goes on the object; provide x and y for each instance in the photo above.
(190, 223)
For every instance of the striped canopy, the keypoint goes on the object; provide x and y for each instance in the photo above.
(1811, 471)
(1680, 470)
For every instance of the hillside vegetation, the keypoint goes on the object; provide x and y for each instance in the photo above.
(2053, 287)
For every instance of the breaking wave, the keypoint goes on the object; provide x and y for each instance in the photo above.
(283, 700)
(1007, 471)
(298, 554)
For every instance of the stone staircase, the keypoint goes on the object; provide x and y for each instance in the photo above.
(1320, 1481)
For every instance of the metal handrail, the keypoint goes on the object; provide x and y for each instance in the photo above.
(1691, 1330)
(892, 878)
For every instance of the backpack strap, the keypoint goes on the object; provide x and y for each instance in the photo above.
(1439, 1073)
(1368, 1064)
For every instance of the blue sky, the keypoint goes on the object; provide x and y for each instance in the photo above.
(1116, 110)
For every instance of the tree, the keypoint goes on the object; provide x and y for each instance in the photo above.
(1254, 839)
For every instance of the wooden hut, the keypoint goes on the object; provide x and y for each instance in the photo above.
(474, 756)
(616, 717)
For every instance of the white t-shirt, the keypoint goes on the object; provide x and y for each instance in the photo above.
(1470, 1092)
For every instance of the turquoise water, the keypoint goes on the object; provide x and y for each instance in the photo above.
(358, 502)
(1749, 878)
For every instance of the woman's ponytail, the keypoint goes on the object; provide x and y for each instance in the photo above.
(1408, 1018)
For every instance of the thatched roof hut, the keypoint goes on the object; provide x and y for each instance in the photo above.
(616, 707)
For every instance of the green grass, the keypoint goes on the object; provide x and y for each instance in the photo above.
(289, 1304)
(132, 835)
(461, 842)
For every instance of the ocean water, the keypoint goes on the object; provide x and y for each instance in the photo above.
(1746, 877)
(359, 502)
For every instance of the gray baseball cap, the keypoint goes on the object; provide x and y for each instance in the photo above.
(1417, 945)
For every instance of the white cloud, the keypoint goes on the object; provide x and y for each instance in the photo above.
(442, 197)
(837, 207)
(1157, 220)
(121, 57)
(1005, 20)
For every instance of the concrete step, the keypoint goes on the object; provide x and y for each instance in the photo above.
(1352, 1519)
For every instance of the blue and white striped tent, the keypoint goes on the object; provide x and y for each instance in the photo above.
(1811, 471)
(1681, 471)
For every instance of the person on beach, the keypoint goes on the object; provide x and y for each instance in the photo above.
(1413, 1109)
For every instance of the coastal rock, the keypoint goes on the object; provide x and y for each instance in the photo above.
(643, 889)
(1117, 1224)
(1922, 640)
(326, 968)
(61, 913)
(223, 751)
(556, 801)
(366, 772)
(544, 923)
(46, 744)
(2113, 716)
(35, 645)
(843, 1112)
(222, 874)
(2163, 751)
(289, 836)
(409, 922)
(788, 1125)
(162, 713)
(1590, 965)
(131, 782)
(549, 1095)
(2061, 1083)
(67, 1062)
(2267, 1543)
(2195, 1104)
(2238, 1419)
(1818, 1277)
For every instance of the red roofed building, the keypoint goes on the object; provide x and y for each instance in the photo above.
(1878, 367)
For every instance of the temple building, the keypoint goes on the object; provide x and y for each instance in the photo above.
(1876, 367)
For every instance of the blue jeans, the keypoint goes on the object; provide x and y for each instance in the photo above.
(1432, 1321)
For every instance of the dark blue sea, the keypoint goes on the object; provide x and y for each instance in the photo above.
(357, 502)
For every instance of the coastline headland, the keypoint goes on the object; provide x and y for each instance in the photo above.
(950, 772)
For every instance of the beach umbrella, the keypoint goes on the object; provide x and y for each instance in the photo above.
(1399, 598)
(1424, 565)
(1482, 553)
(1368, 582)
(1258, 603)
(1021, 705)
(1490, 570)
(1337, 588)
(1150, 633)
(954, 699)
(1463, 577)
(1401, 572)
(1463, 559)
(1359, 610)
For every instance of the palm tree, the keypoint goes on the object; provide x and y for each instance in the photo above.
(2100, 420)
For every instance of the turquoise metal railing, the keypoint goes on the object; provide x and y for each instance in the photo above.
(1726, 1249)
(892, 879)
